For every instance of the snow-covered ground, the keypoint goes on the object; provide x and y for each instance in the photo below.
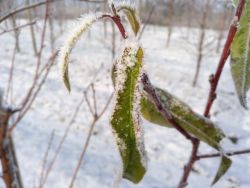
(171, 68)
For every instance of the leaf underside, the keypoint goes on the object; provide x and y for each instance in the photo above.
(132, 17)
(197, 125)
(240, 56)
(125, 123)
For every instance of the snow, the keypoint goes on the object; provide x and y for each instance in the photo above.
(171, 68)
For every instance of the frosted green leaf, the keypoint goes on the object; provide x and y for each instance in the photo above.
(80, 27)
(240, 56)
(223, 168)
(131, 15)
(125, 119)
(199, 126)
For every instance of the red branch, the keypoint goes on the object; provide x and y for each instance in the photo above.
(214, 79)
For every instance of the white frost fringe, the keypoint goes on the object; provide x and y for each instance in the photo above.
(131, 47)
(79, 27)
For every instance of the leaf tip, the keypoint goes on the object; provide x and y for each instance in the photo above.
(225, 164)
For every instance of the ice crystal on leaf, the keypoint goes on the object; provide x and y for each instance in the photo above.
(79, 28)
(125, 120)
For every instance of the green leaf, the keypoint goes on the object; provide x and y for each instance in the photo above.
(240, 57)
(81, 26)
(125, 119)
(223, 168)
(132, 17)
(199, 126)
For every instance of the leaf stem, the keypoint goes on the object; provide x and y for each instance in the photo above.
(117, 20)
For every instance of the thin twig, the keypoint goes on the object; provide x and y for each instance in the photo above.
(20, 9)
(33, 95)
(10, 81)
(88, 103)
(36, 86)
(45, 158)
(71, 122)
(83, 153)
(18, 27)
(95, 119)
(233, 153)
(59, 147)
(94, 98)
(147, 21)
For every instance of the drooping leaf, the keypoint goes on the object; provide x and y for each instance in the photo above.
(223, 168)
(125, 119)
(199, 126)
(80, 27)
(131, 15)
(240, 56)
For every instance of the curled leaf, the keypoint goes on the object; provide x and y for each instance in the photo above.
(80, 27)
(125, 120)
(131, 15)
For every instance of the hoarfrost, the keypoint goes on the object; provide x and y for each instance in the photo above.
(79, 28)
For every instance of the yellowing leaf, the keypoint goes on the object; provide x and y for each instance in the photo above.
(125, 120)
